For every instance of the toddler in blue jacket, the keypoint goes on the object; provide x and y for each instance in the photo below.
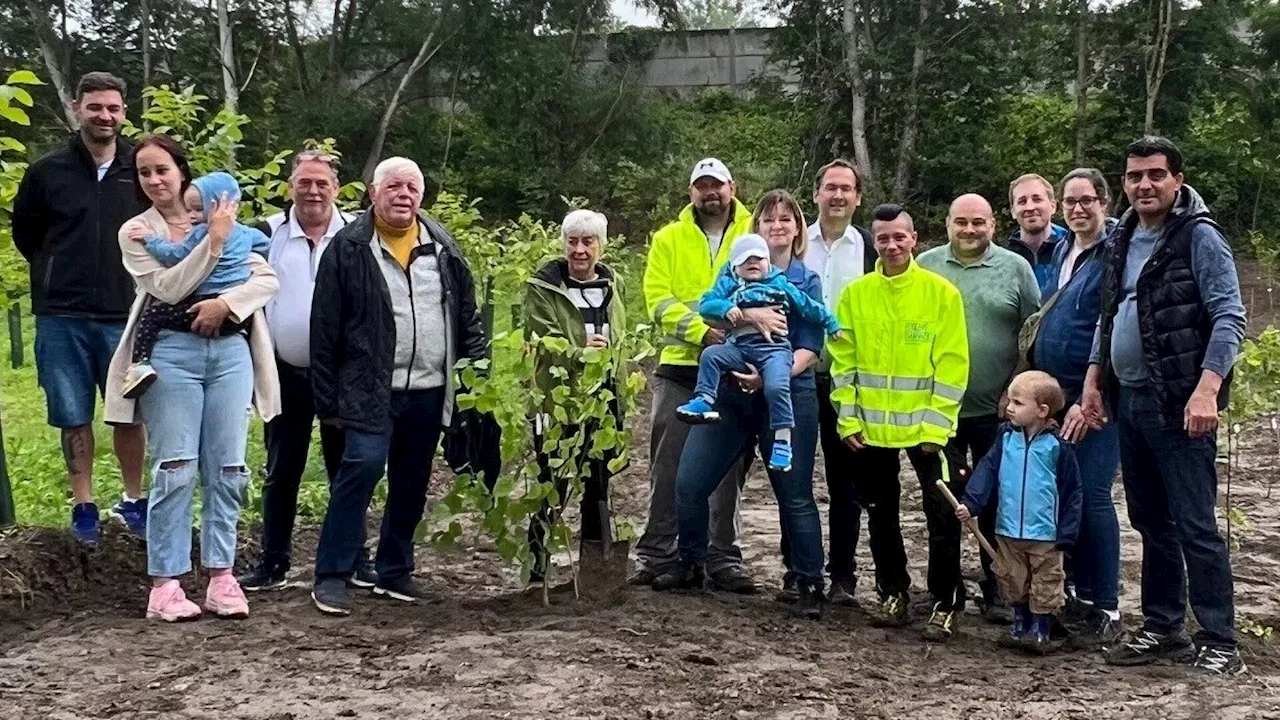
(1033, 473)
(231, 270)
(751, 281)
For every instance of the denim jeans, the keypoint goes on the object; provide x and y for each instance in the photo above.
(712, 450)
(72, 357)
(1095, 561)
(288, 441)
(1171, 486)
(772, 359)
(197, 419)
(405, 451)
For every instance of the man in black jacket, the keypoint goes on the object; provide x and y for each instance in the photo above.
(1171, 325)
(394, 308)
(69, 207)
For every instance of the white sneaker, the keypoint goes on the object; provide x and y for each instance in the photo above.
(137, 379)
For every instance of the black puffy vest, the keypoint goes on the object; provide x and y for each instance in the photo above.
(1172, 317)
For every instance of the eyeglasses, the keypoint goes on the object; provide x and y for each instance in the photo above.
(1086, 202)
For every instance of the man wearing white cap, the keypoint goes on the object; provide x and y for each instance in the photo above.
(684, 259)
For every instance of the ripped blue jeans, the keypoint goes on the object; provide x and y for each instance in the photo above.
(197, 419)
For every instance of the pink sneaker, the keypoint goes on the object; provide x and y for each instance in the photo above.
(170, 604)
(224, 597)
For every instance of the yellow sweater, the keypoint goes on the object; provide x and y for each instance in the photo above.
(400, 241)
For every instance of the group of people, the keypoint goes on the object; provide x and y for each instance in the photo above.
(1016, 377)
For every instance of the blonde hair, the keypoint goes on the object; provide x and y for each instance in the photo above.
(770, 203)
(1043, 388)
(1048, 186)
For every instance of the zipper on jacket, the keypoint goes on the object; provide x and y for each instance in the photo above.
(1022, 509)
(413, 317)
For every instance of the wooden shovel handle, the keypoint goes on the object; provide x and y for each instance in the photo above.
(971, 523)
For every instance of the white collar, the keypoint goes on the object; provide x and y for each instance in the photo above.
(815, 233)
(336, 223)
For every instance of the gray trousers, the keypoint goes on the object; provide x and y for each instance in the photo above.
(656, 550)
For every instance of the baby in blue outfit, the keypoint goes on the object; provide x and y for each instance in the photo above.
(231, 270)
(753, 282)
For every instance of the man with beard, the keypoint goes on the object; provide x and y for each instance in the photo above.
(299, 237)
(1000, 293)
(1032, 204)
(68, 210)
(685, 257)
(1171, 325)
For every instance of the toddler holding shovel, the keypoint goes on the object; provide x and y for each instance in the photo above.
(1033, 473)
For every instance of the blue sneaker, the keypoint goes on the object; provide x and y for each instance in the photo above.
(133, 513)
(85, 525)
(780, 459)
(698, 411)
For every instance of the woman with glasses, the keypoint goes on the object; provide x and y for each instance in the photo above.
(1062, 345)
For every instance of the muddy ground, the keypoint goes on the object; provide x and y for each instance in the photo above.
(73, 643)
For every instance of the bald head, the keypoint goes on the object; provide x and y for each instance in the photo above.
(970, 226)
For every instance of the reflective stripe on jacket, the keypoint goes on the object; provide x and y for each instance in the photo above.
(678, 271)
(900, 367)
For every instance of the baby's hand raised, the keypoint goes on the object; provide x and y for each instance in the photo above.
(137, 232)
(734, 315)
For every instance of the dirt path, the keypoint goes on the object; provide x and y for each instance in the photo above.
(483, 650)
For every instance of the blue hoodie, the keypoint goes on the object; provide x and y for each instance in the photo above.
(232, 268)
(1040, 260)
(1037, 483)
(775, 288)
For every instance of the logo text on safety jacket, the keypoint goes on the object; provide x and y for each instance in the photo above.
(918, 333)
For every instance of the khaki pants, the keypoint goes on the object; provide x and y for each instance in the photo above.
(1030, 571)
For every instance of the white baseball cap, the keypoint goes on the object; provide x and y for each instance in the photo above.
(710, 167)
(747, 247)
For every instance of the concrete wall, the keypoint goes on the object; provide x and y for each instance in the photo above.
(697, 60)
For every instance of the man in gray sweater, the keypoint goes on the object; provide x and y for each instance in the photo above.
(1170, 328)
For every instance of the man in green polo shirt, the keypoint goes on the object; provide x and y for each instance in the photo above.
(1000, 292)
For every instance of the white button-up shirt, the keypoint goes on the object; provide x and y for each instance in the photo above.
(295, 260)
(837, 265)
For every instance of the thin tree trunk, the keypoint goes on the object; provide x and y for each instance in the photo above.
(858, 88)
(1082, 79)
(52, 61)
(425, 53)
(299, 57)
(332, 71)
(910, 125)
(145, 27)
(230, 91)
(1155, 57)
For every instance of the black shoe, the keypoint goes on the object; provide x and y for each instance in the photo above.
(841, 594)
(364, 576)
(1095, 629)
(1145, 647)
(1219, 661)
(941, 625)
(790, 592)
(266, 576)
(1075, 612)
(734, 580)
(995, 610)
(402, 588)
(331, 597)
(682, 577)
(809, 602)
(891, 611)
(642, 577)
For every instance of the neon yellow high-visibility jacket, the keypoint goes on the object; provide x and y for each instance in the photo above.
(678, 271)
(900, 367)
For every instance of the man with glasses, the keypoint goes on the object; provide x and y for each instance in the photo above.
(1171, 325)
(1000, 293)
(299, 236)
(1031, 202)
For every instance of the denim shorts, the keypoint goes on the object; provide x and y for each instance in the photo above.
(72, 358)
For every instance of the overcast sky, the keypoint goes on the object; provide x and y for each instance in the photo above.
(629, 13)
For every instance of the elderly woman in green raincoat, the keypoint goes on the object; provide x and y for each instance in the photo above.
(575, 300)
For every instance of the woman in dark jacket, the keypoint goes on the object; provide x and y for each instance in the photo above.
(574, 298)
(1062, 346)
